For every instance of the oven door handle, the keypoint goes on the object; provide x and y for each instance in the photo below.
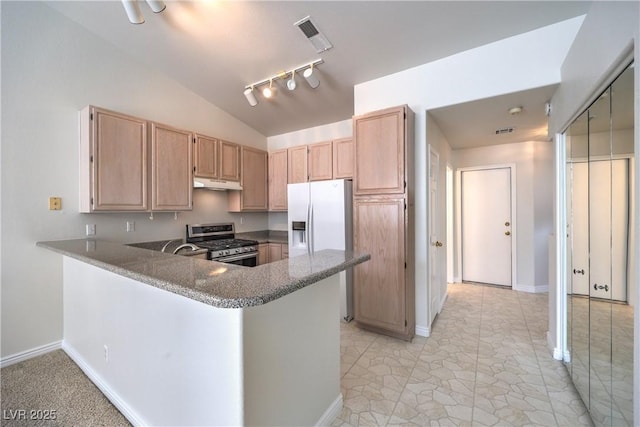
(245, 255)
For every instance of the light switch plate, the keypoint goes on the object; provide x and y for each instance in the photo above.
(55, 203)
(91, 229)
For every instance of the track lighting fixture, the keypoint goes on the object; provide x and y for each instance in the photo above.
(270, 91)
(132, 8)
(291, 83)
(312, 78)
(248, 93)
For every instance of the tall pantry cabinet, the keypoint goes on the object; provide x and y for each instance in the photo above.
(384, 287)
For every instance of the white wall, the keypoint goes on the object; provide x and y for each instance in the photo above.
(518, 63)
(53, 68)
(337, 130)
(606, 37)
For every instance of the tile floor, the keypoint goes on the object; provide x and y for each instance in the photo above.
(486, 363)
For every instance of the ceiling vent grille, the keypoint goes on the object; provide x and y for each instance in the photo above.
(311, 32)
(502, 131)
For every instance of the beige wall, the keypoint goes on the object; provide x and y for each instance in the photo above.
(51, 68)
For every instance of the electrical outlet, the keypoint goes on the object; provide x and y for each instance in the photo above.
(91, 229)
(106, 353)
(131, 226)
(55, 203)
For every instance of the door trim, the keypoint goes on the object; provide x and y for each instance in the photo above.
(514, 221)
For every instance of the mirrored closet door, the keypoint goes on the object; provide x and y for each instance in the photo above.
(600, 292)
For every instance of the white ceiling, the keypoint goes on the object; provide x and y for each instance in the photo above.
(215, 48)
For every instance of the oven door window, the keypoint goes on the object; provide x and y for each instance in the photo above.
(247, 260)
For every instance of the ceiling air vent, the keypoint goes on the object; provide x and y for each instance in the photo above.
(317, 39)
(504, 130)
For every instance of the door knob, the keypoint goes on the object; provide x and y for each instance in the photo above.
(507, 233)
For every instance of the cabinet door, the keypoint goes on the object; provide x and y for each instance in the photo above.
(113, 161)
(380, 152)
(229, 161)
(275, 252)
(206, 156)
(343, 158)
(278, 180)
(320, 161)
(263, 253)
(171, 168)
(379, 285)
(298, 164)
(254, 180)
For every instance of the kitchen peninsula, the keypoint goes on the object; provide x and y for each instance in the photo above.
(174, 340)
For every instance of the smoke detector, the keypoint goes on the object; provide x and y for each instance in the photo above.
(515, 110)
(317, 39)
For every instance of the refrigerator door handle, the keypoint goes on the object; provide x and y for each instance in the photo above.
(311, 229)
(307, 235)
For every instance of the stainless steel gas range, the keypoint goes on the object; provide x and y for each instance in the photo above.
(222, 246)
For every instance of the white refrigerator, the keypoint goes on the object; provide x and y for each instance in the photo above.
(320, 217)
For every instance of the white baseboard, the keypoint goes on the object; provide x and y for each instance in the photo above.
(557, 353)
(29, 354)
(332, 412)
(122, 406)
(423, 331)
(531, 289)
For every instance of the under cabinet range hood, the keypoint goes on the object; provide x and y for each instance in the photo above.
(215, 184)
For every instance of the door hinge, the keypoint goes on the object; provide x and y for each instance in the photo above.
(92, 201)
(194, 169)
(91, 116)
(405, 205)
(405, 185)
(405, 323)
(194, 140)
(405, 265)
(91, 159)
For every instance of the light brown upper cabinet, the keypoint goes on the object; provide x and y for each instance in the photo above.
(278, 180)
(113, 161)
(253, 196)
(171, 168)
(380, 152)
(343, 158)
(206, 156)
(298, 171)
(320, 161)
(229, 161)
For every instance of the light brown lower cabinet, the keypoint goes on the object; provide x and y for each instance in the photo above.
(384, 291)
(263, 253)
(271, 252)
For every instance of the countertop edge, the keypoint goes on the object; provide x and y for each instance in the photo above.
(291, 286)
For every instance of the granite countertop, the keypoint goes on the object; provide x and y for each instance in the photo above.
(213, 283)
(265, 236)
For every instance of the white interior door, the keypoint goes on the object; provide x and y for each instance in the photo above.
(435, 242)
(487, 226)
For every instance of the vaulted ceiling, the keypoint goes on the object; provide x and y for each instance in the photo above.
(216, 48)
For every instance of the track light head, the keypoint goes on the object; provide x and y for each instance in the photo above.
(156, 5)
(291, 83)
(132, 9)
(251, 98)
(311, 77)
(269, 91)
